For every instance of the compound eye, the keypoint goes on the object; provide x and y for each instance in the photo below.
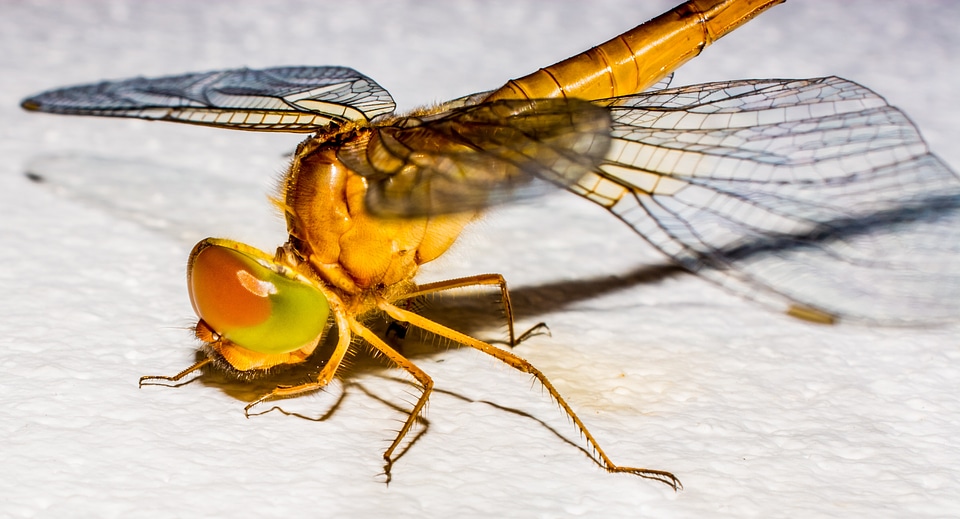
(248, 299)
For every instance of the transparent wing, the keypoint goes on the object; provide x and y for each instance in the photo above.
(802, 194)
(285, 99)
(473, 157)
(662, 84)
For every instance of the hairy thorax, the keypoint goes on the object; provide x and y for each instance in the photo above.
(350, 249)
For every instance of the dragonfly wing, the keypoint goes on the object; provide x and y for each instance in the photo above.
(285, 99)
(798, 193)
(663, 84)
(473, 157)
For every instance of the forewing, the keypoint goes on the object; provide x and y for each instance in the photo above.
(798, 193)
(474, 157)
(284, 99)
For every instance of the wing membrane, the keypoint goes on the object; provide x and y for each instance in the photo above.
(663, 84)
(797, 193)
(473, 157)
(285, 99)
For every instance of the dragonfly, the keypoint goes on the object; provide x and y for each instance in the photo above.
(813, 197)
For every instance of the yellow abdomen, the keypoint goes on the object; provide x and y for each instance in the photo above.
(638, 58)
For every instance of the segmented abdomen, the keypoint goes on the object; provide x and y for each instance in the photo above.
(638, 58)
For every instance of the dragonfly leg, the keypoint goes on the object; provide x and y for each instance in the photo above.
(152, 380)
(344, 325)
(522, 365)
(426, 386)
(484, 280)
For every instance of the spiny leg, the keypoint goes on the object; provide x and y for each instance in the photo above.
(483, 280)
(151, 379)
(524, 366)
(425, 381)
(344, 325)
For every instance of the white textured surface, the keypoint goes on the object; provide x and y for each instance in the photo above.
(758, 414)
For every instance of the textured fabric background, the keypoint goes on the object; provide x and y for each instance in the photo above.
(758, 414)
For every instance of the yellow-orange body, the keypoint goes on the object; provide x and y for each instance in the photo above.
(354, 252)
(716, 176)
(362, 263)
(363, 259)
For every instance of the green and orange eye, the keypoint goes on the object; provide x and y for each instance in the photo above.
(253, 302)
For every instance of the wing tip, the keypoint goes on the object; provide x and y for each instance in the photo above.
(31, 104)
(810, 314)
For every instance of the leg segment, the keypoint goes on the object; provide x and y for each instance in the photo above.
(522, 365)
(344, 325)
(151, 380)
(347, 327)
(426, 384)
(482, 280)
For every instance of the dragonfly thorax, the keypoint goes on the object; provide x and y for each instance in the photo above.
(348, 248)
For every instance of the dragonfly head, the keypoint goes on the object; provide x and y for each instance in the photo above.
(254, 311)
